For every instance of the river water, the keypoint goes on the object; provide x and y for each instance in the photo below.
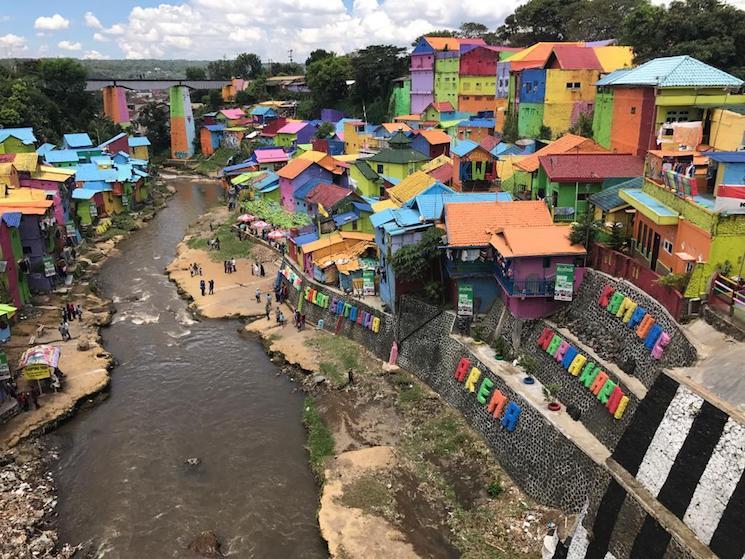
(184, 389)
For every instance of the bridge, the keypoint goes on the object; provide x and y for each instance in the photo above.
(183, 130)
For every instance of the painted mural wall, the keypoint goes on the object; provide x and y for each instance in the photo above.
(182, 123)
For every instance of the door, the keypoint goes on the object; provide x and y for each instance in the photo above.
(655, 252)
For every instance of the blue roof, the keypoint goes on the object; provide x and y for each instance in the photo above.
(44, 148)
(363, 207)
(114, 139)
(677, 71)
(101, 160)
(727, 156)
(80, 140)
(302, 191)
(83, 193)
(138, 141)
(431, 206)
(394, 181)
(423, 46)
(652, 203)
(301, 240)
(269, 180)
(406, 217)
(25, 135)
(608, 198)
(263, 111)
(62, 156)
(214, 127)
(608, 79)
(478, 123)
(464, 147)
(88, 172)
(341, 219)
(238, 166)
(435, 188)
(12, 219)
(379, 218)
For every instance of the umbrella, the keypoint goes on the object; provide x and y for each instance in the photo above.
(259, 225)
(277, 234)
(247, 218)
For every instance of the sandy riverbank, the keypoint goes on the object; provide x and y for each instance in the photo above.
(27, 492)
(403, 475)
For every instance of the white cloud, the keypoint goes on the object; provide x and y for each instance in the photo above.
(92, 21)
(52, 23)
(100, 37)
(68, 45)
(12, 45)
(94, 55)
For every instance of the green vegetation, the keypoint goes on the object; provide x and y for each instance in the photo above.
(338, 355)
(320, 439)
(215, 162)
(154, 118)
(443, 435)
(494, 489)
(414, 262)
(371, 494)
(410, 392)
(679, 282)
(273, 213)
(230, 246)
(146, 68)
(584, 231)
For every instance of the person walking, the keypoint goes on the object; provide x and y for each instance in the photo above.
(253, 269)
(232, 266)
(212, 287)
(276, 293)
(224, 266)
(258, 295)
(262, 272)
(202, 286)
(79, 311)
(269, 298)
(64, 313)
(268, 309)
(64, 330)
(35, 396)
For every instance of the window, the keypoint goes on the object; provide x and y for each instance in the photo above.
(573, 85)
(668, 246)
(380, 169)
(633, 110)
(546, 261)
(528, 87)
(583, 196)
(577, 85)
(354, 225)
(689, 267)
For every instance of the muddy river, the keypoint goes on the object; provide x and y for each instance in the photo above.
(184, 389)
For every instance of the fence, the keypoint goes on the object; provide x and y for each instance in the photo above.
(612, 262)
(728, 296)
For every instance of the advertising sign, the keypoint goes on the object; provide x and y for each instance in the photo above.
(465, 300)
(49, 270)
(37, 372)
(730, 199)
(368, 282)
(564, 286)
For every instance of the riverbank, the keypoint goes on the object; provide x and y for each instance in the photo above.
(27, 491)
(402, 474)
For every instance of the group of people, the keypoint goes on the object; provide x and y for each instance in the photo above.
(214, 244)
(257, 269)
(299, 320)
(229, 266)
(195, 270)
(70, 311)
(280, 293)
(207, 287)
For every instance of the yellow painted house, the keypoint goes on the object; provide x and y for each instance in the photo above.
(399, 160)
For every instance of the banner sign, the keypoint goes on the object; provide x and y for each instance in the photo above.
(730, 199)
(564, 286)
(465, 300)
(37, 372)
(49, 269)
(368, 282)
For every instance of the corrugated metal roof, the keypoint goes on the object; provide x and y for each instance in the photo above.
(114, 139)
(609, 198)
(478, 123)
(25, 135)
(293, 127)
(83, 193)
(590, 167)
(677, 71)
(727, 156)
(138, 141)
(575, 57)
(464, 147)
(61, 156)
(79, 140)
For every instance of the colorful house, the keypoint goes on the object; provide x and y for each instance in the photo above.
(569, 179)
(301, 170)
(17, 140)
(399, 160)
(523, 183)
(118, 143)
(400, 102)
(364, 179)
(689, 219)
(14, 276)
(293, 133)
(447, 61)
(269, 131)
(262, 114)
(270, 159)
(76, 141)
(231, 117)
(431, 142)
(319, 258)
(477, 83)
(438, 111)
(641, 107)
(475, 129)
(440, 169)
(139, 147)
(323, 197)
(474, 167)
(62, 157)
(422, 68)
(508, 250)
(210, 138)
(611, 210)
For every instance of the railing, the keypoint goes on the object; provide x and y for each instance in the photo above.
(729, 296)
(539, 287)
(464, 268)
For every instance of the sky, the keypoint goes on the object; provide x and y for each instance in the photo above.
(210, 29)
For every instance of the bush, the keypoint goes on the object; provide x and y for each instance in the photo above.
(494, 489)
(679, 282)
(529, 364)
(320, 439)
(550, 392)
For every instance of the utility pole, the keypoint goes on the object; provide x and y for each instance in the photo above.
(289, 53)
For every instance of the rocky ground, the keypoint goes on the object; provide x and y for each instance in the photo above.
(27, 493)
(402, 474)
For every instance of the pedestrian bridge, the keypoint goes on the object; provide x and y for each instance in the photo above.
(94, 84)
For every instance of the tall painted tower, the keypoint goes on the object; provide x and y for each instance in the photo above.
(182, 123)
(115, 104)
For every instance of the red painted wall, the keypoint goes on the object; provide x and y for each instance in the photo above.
(633, 120)
(479, 62)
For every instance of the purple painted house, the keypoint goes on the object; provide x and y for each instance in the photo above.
(300, 171)
(422, 76)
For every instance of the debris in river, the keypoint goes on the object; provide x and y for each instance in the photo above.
(206, 544)
(193, 461)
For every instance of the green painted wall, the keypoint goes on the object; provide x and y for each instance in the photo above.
(530, 120)
(396, 170)
(446, 80)
(363, 225)
(14, 145)
(84, 212)
(15, 240)
(400, 103)
(694, 213)
(284, 140)
(602, 119)
(365, 186)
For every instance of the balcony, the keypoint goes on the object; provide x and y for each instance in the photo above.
(694, 209)
(460, 269)
(539, 287)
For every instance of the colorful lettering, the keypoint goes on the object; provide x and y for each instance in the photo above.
(598, 383)
(636, 317)
(353, 314)
(376, 325)
(462, 369)
(545, 338)
(659, 347)
(605, 295)
(588, 374)
(484, 389)
(577, 364)
(509, 421)
(554, 345)
(473, 376)
(644, 326)
(569, 356)
(652, 336)
(606, 391)
(621, 407)
(615, 302)
(614, 399)
(561, 350)
(496, 403)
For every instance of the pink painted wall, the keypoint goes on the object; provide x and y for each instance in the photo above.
(59, 210)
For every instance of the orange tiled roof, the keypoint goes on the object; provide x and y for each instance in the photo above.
(392, 127)
(474, 223)
(535, 241)
(435, 136)
(568, 142)
(294, 168)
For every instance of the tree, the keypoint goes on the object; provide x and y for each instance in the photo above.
(538, 20)
(318, 54)
(584, 231)
(596, 20)
(509, 134)
(583, 126)
(154, 120)
(414, 262)
(247, 65)
(327, 80)
(325, 130)
(244, 97)
(220, 69)
(617, 237)
(195, 73)
(472, 30)
(101, 128)
(63, 81)
(374, 69)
